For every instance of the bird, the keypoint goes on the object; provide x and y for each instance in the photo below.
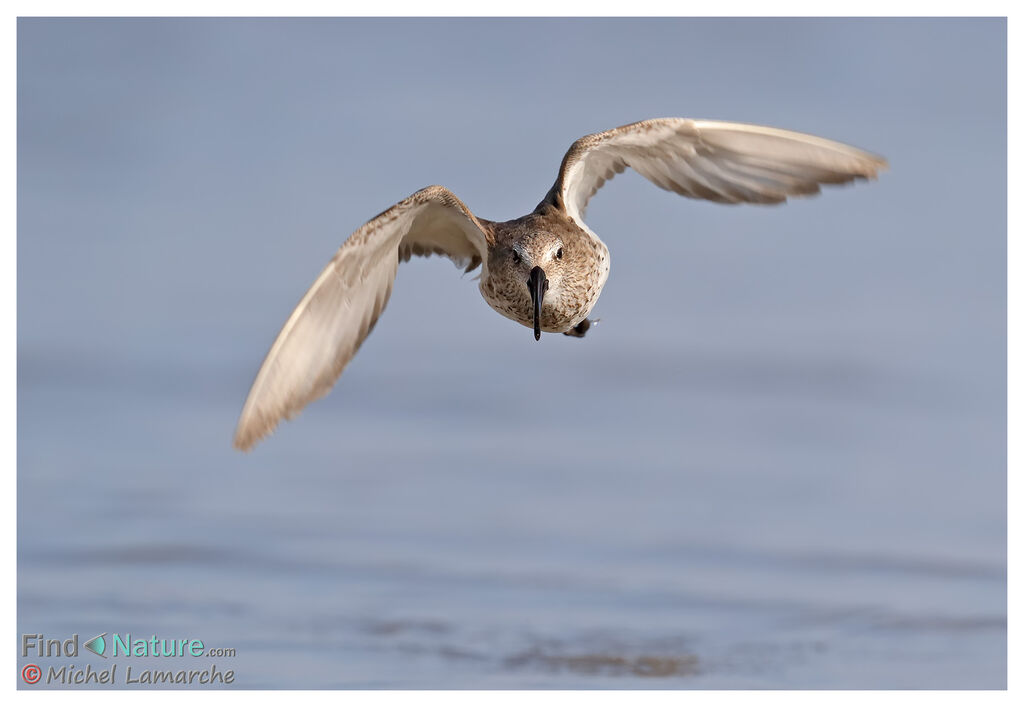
(544, 270)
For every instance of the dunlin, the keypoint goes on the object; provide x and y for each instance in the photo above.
(544, 270)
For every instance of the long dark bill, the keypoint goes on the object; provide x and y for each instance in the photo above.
(538, 284)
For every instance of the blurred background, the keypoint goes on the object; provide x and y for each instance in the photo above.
(778, 461)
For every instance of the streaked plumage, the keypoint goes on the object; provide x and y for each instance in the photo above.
(544, 270)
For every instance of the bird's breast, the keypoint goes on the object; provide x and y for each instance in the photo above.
(564, 307)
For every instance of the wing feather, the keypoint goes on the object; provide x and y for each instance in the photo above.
(340, 310)
(705, 159)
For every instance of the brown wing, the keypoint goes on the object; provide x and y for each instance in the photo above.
(327, 327)
(707, 159)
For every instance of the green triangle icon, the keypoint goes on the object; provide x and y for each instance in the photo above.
(97, 645)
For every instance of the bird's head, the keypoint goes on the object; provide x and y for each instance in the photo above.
(530, 271)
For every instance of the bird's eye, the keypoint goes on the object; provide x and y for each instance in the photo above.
(559, 254)
(515, 257)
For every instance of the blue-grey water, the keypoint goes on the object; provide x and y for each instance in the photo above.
(778, 460)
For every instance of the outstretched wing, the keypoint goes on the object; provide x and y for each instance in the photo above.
(338, 312)
(708, 159)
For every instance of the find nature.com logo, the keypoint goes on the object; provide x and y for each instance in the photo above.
(116, 645)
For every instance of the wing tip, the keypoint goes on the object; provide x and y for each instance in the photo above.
(873, 165)
(251, 432)
(245, 440)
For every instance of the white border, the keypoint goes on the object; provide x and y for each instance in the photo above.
(8, 312)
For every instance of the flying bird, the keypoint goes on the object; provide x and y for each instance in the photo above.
(544, 270)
